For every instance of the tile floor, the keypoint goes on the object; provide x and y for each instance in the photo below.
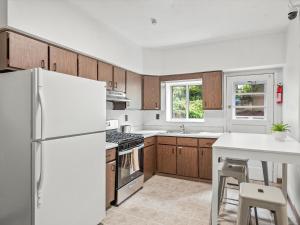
(170, 201)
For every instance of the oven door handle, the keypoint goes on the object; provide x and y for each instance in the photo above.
(130, 150)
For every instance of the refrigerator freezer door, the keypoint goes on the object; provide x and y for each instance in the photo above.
(66, 105)
(72, 189)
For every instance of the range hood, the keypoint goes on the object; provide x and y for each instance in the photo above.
(116, 96)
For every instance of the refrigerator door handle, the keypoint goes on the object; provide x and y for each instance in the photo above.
(42, 104)
(40, 182)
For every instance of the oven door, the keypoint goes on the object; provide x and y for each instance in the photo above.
(130, 165)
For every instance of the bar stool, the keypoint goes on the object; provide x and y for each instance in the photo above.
(260, 196)
(226, 170)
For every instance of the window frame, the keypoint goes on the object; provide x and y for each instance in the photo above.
(234, 107)
(169, 100)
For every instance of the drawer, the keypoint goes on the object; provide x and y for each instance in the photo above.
(166, 140)
(206, 142)
(190, 142)
(149, 141)
(110, 154)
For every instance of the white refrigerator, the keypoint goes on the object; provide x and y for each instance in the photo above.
(52, 149)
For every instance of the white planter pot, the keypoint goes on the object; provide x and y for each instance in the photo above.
(280, 136)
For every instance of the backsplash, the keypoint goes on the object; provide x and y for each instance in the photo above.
(135, 117)
(213, 122)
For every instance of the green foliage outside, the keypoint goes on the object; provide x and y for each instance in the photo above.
(179, 102)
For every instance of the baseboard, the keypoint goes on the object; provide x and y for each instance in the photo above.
(184, 178)
(294, 210)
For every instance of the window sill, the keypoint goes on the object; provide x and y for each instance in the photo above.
(185, 120)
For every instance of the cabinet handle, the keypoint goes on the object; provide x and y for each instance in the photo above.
(43, 64)
(54, 67)
(116, 84)
(113, 167)
(156, 105)
(173, 150)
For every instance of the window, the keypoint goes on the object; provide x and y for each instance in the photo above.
(249, 100)
(184, 101)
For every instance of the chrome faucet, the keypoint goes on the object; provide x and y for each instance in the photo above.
(182, 128)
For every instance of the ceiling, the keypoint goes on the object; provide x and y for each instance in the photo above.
(187, 21)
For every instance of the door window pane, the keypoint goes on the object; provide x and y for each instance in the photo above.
(179, 102)
(250, 87)
(249, 100)
(250, 112)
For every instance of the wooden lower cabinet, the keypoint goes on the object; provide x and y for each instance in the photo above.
(110, 182)
(205, 163)
(166, 159)
(149, 162)
(187, 161)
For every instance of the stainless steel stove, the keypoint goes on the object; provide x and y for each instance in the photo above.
(130, 176)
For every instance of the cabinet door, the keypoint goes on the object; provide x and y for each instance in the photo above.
(26, 53)
(105, 73)
(110, 182)
(205, 163)
(87, 67)
(187, 161)
(63, 61)
(212, 90)
(119, 79)
(166, 159)
(134, 90)
(149, 153)
(151, 93)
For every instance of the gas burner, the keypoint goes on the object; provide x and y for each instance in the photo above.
(114, 136)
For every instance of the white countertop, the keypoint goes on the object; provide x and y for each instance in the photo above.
(257, 142)
(109, 145)
(150, 133)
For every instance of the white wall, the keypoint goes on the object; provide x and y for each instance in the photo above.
(291, 106)
(65, 24)
(256, 51)
(3, 13)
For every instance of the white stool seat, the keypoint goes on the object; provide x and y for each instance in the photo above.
(264, 194)
(260, 196)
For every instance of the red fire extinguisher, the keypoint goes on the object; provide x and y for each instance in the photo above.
(279, 93)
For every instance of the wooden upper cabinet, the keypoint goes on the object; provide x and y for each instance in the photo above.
(119, 79)
(63, 61)
(151, 93)
(20, 52)
(134, 90)
(166, 159)
(187, 161)
(105, 73)
(87, 67)
(212, 90)
(205, 163)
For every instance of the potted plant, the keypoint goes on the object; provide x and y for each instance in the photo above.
(280, 131)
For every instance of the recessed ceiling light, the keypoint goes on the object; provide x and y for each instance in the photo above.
(153, 21)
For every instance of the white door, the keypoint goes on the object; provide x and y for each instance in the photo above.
(250, 103)
(70, 180)
(65, 105)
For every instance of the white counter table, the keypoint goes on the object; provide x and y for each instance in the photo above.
(261, 147)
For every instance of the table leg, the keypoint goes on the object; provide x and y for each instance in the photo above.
(284, 180)
(215, 185)
(265, 172)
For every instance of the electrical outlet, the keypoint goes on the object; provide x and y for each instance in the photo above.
(126, 118)
(157, 116)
